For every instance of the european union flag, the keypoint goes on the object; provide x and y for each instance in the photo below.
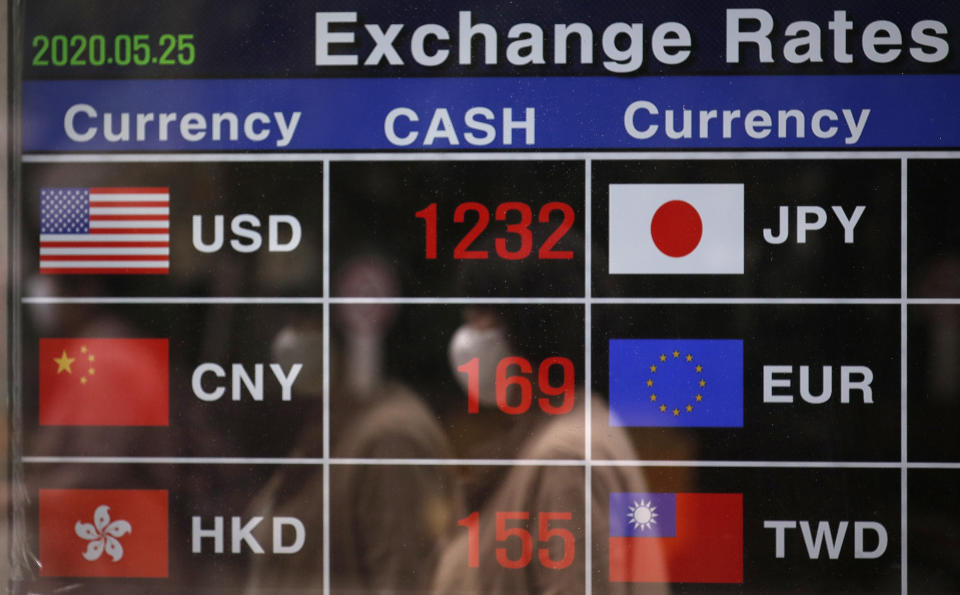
(676, 383)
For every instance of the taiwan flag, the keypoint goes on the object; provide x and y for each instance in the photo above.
(104, 382)
(676, 383)
(676, 538)
(104, 533)
(676, 229)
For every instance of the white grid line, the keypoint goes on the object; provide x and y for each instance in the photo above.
(588, 377)
(750, 300)
(932, 465)
(903, 375)
(631, 155)
(333, 461)
(318, 461)
(294, 300)
(749, 464)
(487, 300)
(326, 378)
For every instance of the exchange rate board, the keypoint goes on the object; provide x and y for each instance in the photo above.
(484, 297)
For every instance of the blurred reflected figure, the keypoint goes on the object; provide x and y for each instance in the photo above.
(535, 489)
(942, 278)
(386, 521)
(541, 489)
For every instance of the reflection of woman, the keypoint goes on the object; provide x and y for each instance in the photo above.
(536, 489)
(386, 521)
(490, 333)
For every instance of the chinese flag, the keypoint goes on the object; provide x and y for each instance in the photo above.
(104, 382)
(122, 533)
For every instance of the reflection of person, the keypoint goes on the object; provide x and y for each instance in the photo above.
(386, 521)
(490, 333)
(487, 336)
(534, 488)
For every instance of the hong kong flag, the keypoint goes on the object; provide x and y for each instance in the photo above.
(104, 382)
(108, 533)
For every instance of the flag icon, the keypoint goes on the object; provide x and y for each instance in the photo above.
(676, 382)
(664, 229)
(105, 533)
(676, 538)
(105, 231)
(104, 382)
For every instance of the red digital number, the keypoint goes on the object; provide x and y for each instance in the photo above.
(472, 523)
(521, 229)
(565, 390)
(518, 217)
(565, 536)
(429, 216)
(472, 370)
(546, 251)
(462, 251)
(504, 533)
(503, 382)
(566, 546)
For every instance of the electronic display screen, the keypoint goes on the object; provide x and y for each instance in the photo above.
(483, 297)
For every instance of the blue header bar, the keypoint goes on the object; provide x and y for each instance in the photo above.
(588, 113)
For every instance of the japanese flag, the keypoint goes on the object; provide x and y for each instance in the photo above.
(665, 229)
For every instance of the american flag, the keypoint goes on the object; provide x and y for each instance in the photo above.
(105, 231)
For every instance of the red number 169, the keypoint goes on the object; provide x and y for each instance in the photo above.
(523, 384)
